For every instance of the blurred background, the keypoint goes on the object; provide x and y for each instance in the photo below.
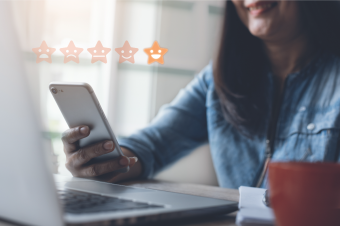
(130, 94)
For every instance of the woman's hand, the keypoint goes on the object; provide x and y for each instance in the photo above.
(78, 158)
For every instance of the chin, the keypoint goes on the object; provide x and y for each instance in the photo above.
(260, 30)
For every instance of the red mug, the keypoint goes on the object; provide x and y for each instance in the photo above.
(303, 193)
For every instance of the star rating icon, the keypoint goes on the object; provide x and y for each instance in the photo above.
(126, 53)
(71, 53)
(155, 53)
(99, 53)
(44, 53)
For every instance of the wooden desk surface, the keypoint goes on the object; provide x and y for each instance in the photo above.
(192, 189)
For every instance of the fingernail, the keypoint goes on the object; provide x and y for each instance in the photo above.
(108, 145)
(135, 158)
(124, 162)
(84, 130)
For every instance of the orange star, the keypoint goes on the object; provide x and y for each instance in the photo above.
(99, 53)
(155, 53)
(43, 53)
(126, 53)
(71, 53)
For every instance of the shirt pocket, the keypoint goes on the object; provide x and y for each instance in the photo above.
(310, 136)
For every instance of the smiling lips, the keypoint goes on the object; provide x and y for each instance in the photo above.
(156, 56)
(258, 8)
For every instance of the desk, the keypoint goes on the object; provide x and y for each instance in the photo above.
(192, 189)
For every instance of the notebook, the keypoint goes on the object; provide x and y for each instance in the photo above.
(252, 210)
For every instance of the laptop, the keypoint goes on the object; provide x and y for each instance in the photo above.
(31, 195)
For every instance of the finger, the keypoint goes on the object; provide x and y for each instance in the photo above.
(114, 177)
(100, 169)
(133, 161)
(85, 154)
(72, 135)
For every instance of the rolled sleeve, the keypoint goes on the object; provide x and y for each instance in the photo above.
(143, 154)
(179, 127)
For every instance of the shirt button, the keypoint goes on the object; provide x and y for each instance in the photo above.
(310, 126)
(303, 108)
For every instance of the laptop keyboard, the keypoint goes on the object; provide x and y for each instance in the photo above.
(82, 202)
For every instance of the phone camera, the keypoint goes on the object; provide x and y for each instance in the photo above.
(54, 90)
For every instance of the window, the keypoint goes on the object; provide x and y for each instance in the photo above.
(130, 94)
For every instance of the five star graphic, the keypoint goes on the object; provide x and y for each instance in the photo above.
(43, 53)
(126, 53)
(99, 53)
(155, 53)
(71, 53)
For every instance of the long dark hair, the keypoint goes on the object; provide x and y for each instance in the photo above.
(241, 65)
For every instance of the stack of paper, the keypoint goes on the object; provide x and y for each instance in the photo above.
(252, 210)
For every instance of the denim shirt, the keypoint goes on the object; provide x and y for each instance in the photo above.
(307, 128)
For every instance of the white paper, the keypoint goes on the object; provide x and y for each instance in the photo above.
(251, 197)
(252, 210)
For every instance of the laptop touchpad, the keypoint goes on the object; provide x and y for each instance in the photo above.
(103, 188)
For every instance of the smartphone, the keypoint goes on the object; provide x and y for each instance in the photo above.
(80, 106)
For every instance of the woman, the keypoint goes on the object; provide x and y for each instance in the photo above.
(271, 94)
